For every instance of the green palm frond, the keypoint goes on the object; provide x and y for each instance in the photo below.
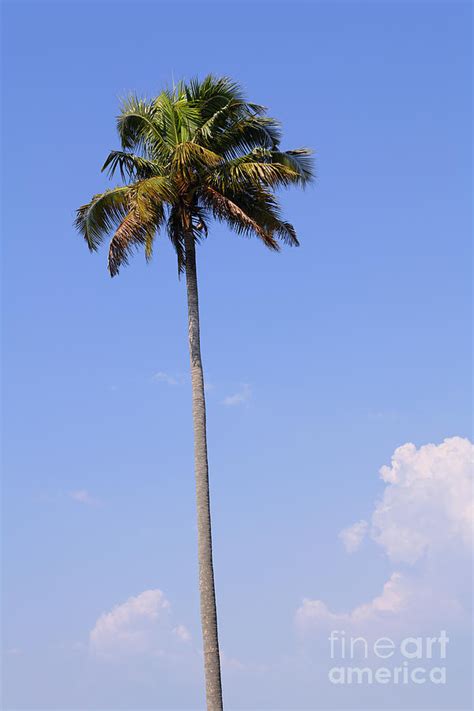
(176, 117)
(197, 150)
(271, 168)
(222, 119)
(129, 165)
(140, 131)
(299, 160)
(246, 134)
(212, 94)
(247, 171)
(190, 157)
(101, 215)
(155, 191)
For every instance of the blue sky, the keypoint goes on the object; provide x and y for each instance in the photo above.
(339, 351)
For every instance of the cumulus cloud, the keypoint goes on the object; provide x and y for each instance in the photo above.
(427, 504)
(142, 625)
(423, 522)
(239, 398)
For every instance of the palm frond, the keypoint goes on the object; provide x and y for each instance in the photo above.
(246, 134)
(263, 207)
(174, 228)
(212, 93)
(233, 111)
(129, 165)
(227, 210)
(130, 234)
(147, 201)
(155, 191)
(241, 173)
(101, 215)
(189, 157)
(300, 160)
(197, 150)
(177, 118)
(140, 131)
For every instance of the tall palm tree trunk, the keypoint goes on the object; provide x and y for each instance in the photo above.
(206, 571)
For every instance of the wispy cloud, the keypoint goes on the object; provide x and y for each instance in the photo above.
(162, 377)
(241, 397)
(182, 633)
(353, 536)
(82, 496)
(13, 652)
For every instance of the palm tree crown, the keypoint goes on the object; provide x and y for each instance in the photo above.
(197, 151)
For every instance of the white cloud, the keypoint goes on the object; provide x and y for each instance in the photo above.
(166, 378)
(353, 535)
(182, 632)
(426, 505)
(142, 626)
(239, 398)
(406, 602)
(423, 522)
(82, 496)
(127, 627)
(391, 601)
(428, 502)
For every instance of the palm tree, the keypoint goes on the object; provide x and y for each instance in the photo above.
(195, 152)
